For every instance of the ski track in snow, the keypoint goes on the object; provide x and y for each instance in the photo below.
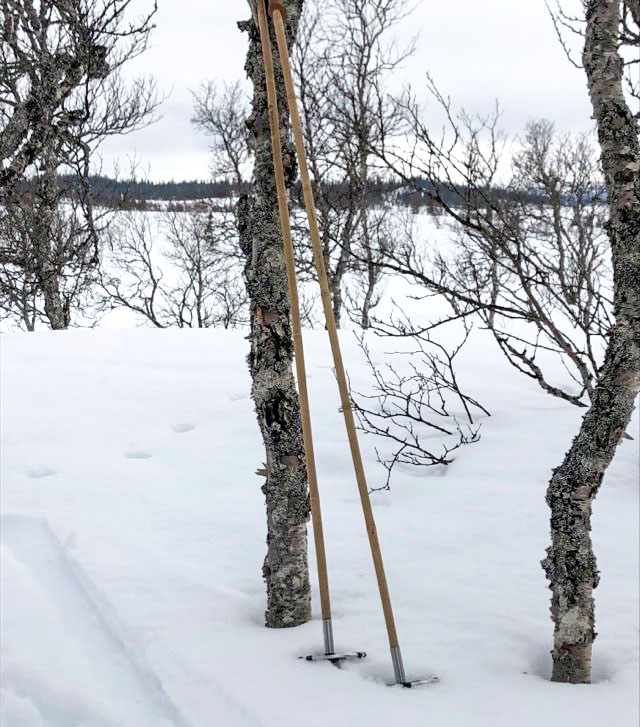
(32, 542)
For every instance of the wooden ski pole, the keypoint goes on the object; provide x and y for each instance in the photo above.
(285, 226)
(278, 11)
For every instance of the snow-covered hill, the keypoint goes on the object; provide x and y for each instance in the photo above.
(133, 535)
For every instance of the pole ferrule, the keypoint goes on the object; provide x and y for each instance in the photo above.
(327, 630)
(278, 5)
(398, 666)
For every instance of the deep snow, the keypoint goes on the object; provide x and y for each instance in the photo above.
(133, 536)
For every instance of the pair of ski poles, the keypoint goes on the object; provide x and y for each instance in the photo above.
(278, 13)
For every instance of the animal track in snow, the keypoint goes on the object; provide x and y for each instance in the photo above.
(137, 454)
(238, 397)
(183, 427)
(37, 473)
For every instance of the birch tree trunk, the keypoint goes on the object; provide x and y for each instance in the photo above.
(44, 243)
(570, 564)
(270, 361)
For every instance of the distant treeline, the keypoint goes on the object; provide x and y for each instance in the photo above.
(141, 194)
(170, 191)
(131, 192)
(135, 193)
(146, 195)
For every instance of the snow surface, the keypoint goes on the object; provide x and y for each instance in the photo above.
(133, 536)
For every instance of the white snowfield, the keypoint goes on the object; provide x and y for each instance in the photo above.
(133, 535)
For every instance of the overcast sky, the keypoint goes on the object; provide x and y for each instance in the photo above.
(477, 51)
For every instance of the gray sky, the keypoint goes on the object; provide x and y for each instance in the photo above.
(476, 51)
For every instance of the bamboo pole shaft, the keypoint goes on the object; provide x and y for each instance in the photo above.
(285, 226)
(332, 329)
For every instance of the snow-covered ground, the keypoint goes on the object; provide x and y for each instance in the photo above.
(133, 536)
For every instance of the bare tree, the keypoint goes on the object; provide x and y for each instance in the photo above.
(570, 564)
(221, 114)
(173, 269)
(411, 404)
(49, 256)
(513, 234)
(18, 282)
(209, 283)
(61, 94)
(343, 59)
(365, 285)
(286, 568)
(530, 254)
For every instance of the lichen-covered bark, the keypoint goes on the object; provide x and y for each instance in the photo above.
(55, 71)
(570, 563)
(46, 247)
(270, 361)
